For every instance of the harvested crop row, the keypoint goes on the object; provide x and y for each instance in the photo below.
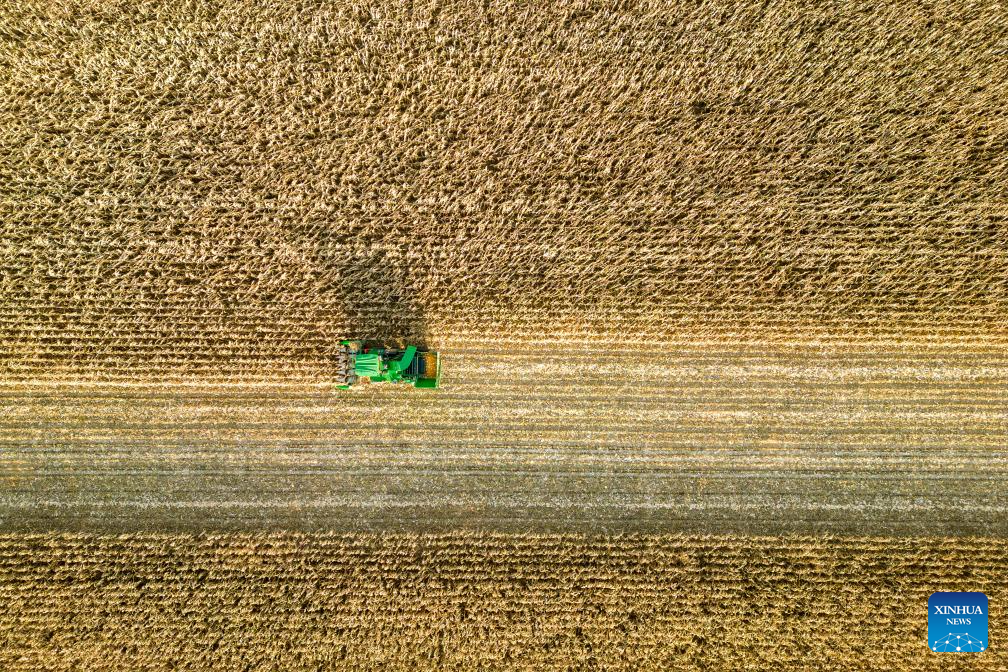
(462, 601)
(703, 437)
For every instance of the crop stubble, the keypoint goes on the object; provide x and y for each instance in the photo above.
(757, 439)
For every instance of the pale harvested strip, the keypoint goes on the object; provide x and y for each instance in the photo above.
(780, 438)
(492, 602)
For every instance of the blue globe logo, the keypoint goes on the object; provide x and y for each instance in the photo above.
(957, 641)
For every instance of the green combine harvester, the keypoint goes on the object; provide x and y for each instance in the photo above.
(356, 362)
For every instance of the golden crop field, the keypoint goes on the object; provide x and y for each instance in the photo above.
(720, 292)
(477, 601)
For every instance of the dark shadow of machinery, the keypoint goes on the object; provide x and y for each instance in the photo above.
(381, 306)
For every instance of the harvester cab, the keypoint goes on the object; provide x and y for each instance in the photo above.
(356, 362)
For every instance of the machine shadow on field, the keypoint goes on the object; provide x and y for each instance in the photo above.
(380, 307)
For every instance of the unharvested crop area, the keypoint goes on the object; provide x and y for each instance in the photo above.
(492, 602)
(726, 269)
(224, 189)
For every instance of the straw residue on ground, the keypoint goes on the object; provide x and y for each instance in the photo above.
(709, 437)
